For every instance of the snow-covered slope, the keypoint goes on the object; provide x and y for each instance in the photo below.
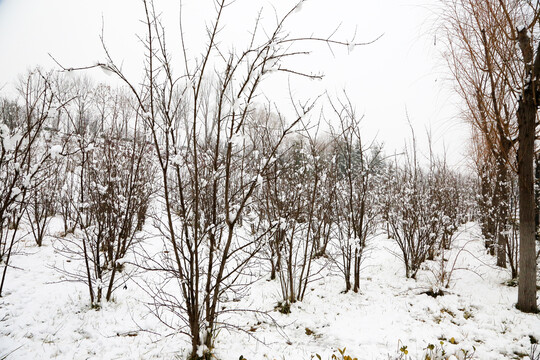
(42, 316)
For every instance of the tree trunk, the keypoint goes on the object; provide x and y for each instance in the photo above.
(502, 210)
(537, 196)
(527, 252)
(526, 114)
(357, 260)
(486, 216)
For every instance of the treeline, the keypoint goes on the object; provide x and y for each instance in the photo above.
(493, 52)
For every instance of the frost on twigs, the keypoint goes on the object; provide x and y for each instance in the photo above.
(23, 159)
(55, 151)
(230, 154)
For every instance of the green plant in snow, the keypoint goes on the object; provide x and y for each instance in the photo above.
(341, 356)
(435, 352)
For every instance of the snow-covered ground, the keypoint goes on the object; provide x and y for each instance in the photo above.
(42, 316)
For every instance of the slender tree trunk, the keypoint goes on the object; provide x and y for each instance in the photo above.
(292, 298)
(357, 260)
(487, 218)
(273, 271)
(502, 236)
(537, 196)
(347, 268)
(195, 339)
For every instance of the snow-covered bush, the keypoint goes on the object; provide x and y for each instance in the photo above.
(44, 199)
(412, 217)
(292, 200)
(423, 208)
(120, 182)
(22, 157)
(356, 209)
(106, 182)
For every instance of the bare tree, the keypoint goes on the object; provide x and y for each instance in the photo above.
(487, 75)
(199, 145)
(415, 214)
(292, 197)
(527, 114)
(42, 200)
(356, 209)
(493, 52)
(106, 194)
(20, 162)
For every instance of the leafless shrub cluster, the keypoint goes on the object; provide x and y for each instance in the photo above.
(105, 177)
(199, 121)
(70, 147)
(21, 164)
(290, 204)
(358, 168)
(428, 207)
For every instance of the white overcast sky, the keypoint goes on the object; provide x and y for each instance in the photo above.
(402, 71)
